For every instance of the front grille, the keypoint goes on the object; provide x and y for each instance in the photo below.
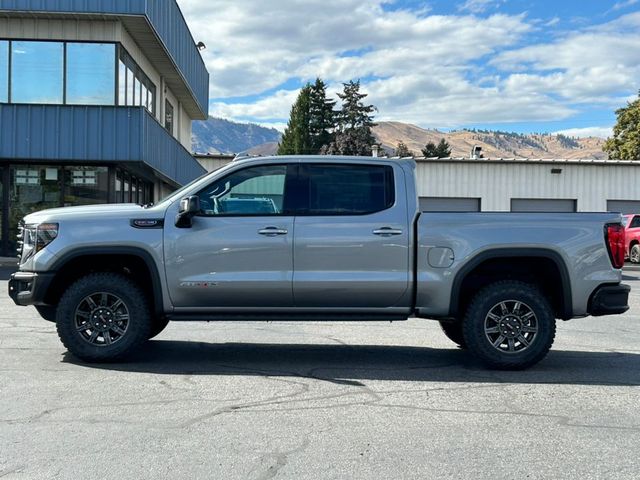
(20, 239)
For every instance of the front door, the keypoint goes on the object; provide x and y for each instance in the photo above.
(239, 251)
(351, 237)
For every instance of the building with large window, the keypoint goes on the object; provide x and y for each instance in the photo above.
(96, 104)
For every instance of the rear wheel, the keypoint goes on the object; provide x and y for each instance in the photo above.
(634, 254)
(453, 331)
(103, 317)
(509, 325)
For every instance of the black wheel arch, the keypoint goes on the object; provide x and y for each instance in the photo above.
(154, 287)
(565, 307)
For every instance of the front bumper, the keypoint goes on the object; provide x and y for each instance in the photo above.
(609, 300)
(29, 288)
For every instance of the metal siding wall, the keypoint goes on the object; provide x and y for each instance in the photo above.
(69, 133)
(165, 17)
(166, 154)
(57, 29)
(496, 183)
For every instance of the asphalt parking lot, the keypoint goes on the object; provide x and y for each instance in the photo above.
(319, 400)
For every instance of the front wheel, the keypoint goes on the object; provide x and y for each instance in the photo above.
(509, 325)
(103, 317)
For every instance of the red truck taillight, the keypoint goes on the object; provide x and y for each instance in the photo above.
(614, 238)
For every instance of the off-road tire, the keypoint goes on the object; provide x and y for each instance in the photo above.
(634, 254)
(481, 306)
(139, 320)
(453, 331)
(157, 326)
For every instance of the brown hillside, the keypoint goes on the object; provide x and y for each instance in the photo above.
(494, 144)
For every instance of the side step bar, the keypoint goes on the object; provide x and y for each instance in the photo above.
(283, 317)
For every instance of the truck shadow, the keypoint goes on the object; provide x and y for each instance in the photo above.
(352, 364)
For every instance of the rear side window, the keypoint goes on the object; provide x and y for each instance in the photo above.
(335, 189)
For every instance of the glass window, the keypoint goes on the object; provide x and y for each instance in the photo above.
(130, 87)
(91, 74)
(32, 188)
(168, 116)
(348, 189)
(143, 95)
(151, 100)
(134, 190)
(635, 223)
(4, 71)
(86, 185)
(122, 83)
(127, 189)
(252, 191)
(36, 72)
(136, 92)
(118, 188)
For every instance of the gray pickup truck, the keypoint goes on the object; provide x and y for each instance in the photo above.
(316, 238)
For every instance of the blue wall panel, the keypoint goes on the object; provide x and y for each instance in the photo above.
(65, 133)
(164, 16)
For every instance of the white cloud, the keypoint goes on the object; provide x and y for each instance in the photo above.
(602, 132)
(422, 68)
(479, 6)
(624, 4)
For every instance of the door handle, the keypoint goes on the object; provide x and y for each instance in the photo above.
(273, 231)
(387, 232)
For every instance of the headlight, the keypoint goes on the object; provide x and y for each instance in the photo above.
(37, 236)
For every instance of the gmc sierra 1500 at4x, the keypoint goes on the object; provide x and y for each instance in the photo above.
(316, 238)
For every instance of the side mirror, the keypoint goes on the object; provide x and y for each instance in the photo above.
(189, 208)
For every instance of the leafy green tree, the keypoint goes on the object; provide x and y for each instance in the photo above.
(296, 139)
(354, 122)
(322, 121)
(430, 150)
(625, 143)
(403, 151)
(443, 150)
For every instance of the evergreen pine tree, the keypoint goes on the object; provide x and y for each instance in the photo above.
(296, 139)
(430, 150)
(443, 150)
(354, 122)
(322, 122)
(403, 151)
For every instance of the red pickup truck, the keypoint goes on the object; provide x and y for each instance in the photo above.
(632, 237)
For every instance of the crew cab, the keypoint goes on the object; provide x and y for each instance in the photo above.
(316, 238)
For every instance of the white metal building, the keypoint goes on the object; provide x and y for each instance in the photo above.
(519, 185)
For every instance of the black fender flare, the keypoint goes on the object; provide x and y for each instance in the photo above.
(555, 257)
(146, 257)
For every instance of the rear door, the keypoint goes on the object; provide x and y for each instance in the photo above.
(351, 246)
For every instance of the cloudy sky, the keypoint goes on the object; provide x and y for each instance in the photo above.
(517, 65)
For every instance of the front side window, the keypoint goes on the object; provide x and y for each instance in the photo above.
(4, 71)
(255, 191)
(335, 189)
(91, 74)
(37, 72)
(635, 223)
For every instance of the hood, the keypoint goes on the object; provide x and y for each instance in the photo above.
(110, 210)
